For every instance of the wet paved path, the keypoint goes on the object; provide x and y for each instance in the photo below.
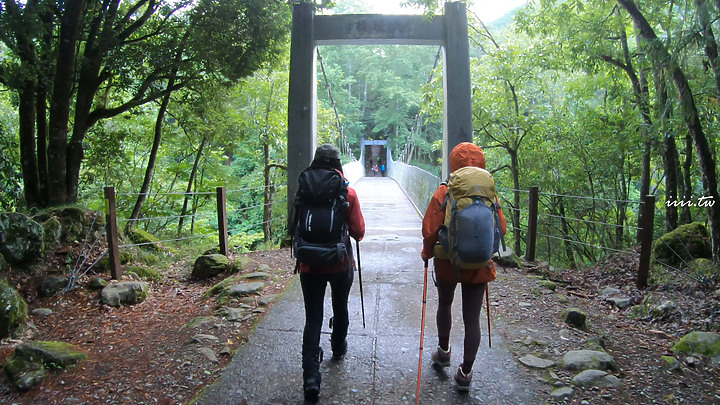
(382, 360)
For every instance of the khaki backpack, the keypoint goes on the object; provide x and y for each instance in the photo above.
(470, 233)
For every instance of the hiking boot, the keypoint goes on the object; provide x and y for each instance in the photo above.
(312, 376)
(441, 357)
(463, 380)
(312, 389)
(339, 352)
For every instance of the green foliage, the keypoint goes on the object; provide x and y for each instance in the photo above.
(243, 242)
(10, 175)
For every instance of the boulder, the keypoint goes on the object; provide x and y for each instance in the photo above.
(27, 366)
(596, 378)
(21, 238)
(97, 283)
(146, 273)
(145, 240)
(245, 289)
(700, 344)
(52, 232)
(686, 243)
(125, 293)
(588, 359)
(239, 264)
(576, 318)
(13, 310)
(208, 266)
(535, 362)
(53, 285)
(75, 222)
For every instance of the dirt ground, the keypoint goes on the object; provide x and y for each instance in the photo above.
(531, 320)
(144, 354)
(140, 354)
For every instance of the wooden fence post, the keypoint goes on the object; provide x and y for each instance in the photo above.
(532, 224)
(112, 233)
(646, 237)
(222, 220)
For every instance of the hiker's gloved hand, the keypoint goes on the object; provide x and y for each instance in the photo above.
(424, 256)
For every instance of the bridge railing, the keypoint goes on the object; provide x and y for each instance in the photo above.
(418, 184)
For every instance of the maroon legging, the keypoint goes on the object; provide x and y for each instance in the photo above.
(472, 299)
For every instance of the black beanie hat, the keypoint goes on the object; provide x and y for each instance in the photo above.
(327, 155)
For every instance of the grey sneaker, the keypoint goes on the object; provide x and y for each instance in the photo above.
(441, 357)
(463, 380)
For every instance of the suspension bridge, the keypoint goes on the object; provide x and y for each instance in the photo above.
(382, 362)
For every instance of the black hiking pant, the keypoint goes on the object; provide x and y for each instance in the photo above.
(472, 300)
(313, 287)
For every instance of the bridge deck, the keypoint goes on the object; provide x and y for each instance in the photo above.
(382, 360)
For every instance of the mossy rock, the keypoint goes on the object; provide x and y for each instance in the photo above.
(51, 354)
(22, 238)
(684, 244)
(29, 362)
(511, 260)
(220, 288)
(239, 264)
(23, 373)
(576, 318)
(52, 232)
(548, 284)
(13, 310)
(699, 343)
(145, 240)
(146, 273)
(104, 263)
(208, 266)
(75, 221)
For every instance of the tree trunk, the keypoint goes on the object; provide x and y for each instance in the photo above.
(189, 188)
(28, 162)
(60, 103)
(267, 196)
(142, 196)
(42, 139)
(515, 168)
(711, 46)
(690, 116)
(670, 155)
(685, 213)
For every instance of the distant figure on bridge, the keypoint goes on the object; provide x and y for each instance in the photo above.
(327, 214)
(382, 168)
(372, 168)
(473, 281)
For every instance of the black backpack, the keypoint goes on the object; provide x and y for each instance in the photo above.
(321, 233)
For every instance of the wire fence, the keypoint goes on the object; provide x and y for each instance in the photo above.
(222, 233)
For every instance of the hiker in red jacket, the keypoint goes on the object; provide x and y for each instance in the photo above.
(315, 278)
(473, 281)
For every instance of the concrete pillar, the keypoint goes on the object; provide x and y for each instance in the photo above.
(302, 109)
(457, 125)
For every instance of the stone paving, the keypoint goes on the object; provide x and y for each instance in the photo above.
(381, 366)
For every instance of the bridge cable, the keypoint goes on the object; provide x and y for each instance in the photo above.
(406, 154)
(345, 146)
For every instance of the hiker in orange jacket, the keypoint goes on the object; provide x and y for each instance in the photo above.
(473, 281)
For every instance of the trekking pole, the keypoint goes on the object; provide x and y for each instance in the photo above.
(422, 334)
(487, 310)
(362, 301)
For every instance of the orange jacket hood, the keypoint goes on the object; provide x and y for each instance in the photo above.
(466, 154)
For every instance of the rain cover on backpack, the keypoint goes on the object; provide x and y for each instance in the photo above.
(321, 233)
(471, 232)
